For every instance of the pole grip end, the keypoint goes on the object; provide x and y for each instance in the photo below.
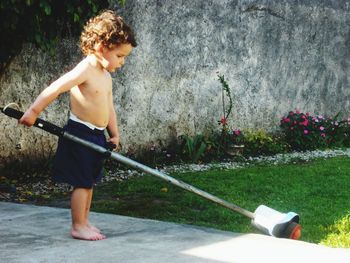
(44, 125)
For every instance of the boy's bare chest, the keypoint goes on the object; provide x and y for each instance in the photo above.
(98, 85)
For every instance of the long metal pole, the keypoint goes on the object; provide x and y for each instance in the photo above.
(291, 229)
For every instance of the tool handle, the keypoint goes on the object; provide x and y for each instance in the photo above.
(44, 125)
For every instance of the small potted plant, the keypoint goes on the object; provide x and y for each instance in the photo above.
(235, 143)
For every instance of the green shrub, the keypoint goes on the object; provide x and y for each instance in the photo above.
(260, 142)
(42, 22)
(339, 233)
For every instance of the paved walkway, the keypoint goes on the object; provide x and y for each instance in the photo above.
(41, 234)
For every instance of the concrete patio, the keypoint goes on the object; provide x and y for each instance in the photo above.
(41, 234)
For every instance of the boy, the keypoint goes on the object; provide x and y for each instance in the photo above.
(106, 41)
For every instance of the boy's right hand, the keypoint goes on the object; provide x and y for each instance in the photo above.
(28, 118)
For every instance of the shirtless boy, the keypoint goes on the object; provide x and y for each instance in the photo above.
(105, 41)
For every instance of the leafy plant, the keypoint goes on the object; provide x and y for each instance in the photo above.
(255, 141)
(259, 142)
(225, 90)
(339, 233)
(225, 133)
(194, 148)
(42, 22)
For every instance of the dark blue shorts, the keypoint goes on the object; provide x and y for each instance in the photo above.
(76, 164)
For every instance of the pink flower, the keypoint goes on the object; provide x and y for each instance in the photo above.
(321, 128)
(223, 121)
(237, 132)
(305, 123)
(306, 132)
(286, 120)
(323, 135)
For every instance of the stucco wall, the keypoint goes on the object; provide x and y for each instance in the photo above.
(276, 56)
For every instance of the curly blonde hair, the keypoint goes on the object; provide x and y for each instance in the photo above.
(107, 28)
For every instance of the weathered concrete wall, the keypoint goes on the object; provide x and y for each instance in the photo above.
(276, 55)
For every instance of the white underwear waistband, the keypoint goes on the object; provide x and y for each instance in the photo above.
(88, 124)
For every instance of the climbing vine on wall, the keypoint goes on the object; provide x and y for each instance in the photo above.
(42, 22)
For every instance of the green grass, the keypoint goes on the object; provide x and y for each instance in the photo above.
(318, 191)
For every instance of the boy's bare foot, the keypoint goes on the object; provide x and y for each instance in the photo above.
(85, 233)
(93, 228)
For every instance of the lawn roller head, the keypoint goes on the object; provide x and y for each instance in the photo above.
(277, 224)
(267, 220)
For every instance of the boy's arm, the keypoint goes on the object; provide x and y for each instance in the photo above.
(63, 84)
(112, 126)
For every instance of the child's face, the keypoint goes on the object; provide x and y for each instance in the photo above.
(115, 56)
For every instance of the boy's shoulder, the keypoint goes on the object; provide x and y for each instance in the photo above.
(88, 66)
(91, 62)
(85, 63)
(92, 70)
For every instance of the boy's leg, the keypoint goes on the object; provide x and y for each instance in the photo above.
(87, 212)
(80, 229)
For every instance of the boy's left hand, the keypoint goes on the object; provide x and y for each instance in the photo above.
(115, 141)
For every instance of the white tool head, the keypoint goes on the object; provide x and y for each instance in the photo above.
(274, 223)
